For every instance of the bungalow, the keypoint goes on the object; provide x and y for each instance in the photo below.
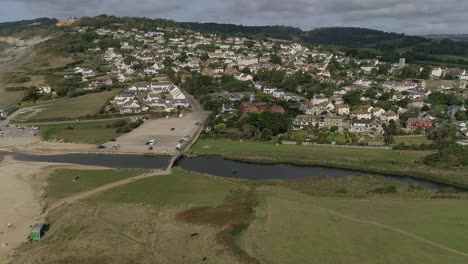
(125, 95)
(414, 123)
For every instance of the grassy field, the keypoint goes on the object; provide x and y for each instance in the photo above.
(405, 163)
(60, 184)
(82, 132)
(296, 228)
(411, 140)
(73, 107)
(180, 188)
(8, 98)
(135, 224)
(186, 217)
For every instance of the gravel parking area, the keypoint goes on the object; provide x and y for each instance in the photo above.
(17, 135)
(161, 131)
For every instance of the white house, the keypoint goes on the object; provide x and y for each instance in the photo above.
(436, 71)
(160, 86)
(45, 89)
(243, 77)
(319, 99)
(388, 116)
(377, 111)
(464, 75)
(176, 93)
(154, 69)
(247, 61)
(361, 114)
(342, 109)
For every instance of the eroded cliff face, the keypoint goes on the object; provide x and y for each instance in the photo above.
(18, 51)
(20, 42)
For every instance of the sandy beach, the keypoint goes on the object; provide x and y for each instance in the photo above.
(21, 190)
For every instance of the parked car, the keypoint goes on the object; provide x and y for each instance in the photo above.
(172, 129)
(150, 148)
(113, 140)
(115, 147)
(198, 123)
(101, 147)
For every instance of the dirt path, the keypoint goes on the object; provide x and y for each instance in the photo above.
(84, 195)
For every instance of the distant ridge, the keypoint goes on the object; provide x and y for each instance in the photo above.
(367, 43)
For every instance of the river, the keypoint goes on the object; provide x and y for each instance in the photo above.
(214, 165)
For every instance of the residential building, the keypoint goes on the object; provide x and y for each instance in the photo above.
(415, 123)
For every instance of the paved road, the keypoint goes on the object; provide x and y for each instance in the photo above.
(81, 121)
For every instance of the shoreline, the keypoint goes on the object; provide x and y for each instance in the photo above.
(385, 172)
(22, 199)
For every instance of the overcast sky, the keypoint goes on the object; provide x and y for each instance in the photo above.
(403, 16)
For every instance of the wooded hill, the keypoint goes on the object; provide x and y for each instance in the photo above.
(368, 43)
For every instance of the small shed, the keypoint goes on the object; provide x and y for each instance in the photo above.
(37, 231)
